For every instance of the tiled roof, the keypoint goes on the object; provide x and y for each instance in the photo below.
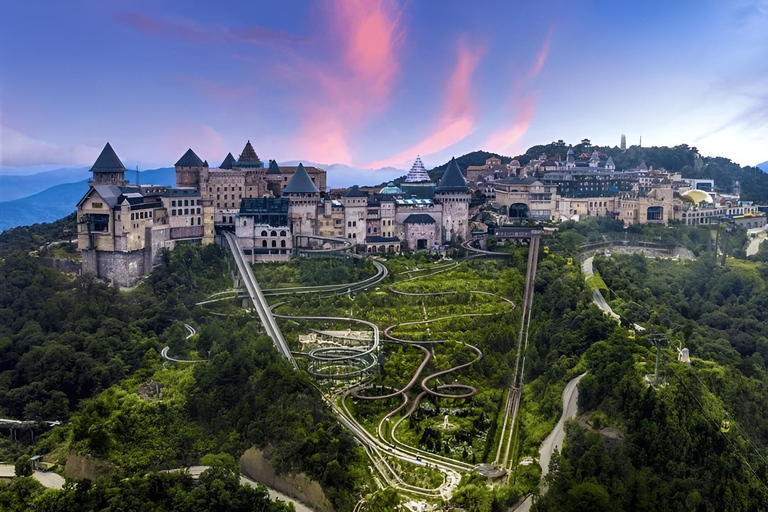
(419, 218)
(228, 162)
(300, 183)
(190, 159)
(273, 168)
(355, 192)
(108, 161)
(452, 179)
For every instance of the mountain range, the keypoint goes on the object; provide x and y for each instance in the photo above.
(60, 200)
(16, 186)
(763, 166)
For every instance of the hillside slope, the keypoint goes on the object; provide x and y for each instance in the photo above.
(59, 201)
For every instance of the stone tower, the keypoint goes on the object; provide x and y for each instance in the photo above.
(191, 171)
(108, 169)
(454, 195)
(304, 198)
(274, 178)
(355, 214)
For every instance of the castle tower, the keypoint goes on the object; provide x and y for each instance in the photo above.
(249, 158)
(355, 214)
(304, 198)
(609, 165)
(229, 162)
(570, 160)
(454, 195)
(191, 171)
(623, 142)
(108, 169)
(274, 178)
(594, 160)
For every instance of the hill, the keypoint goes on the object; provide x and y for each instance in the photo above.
(59, 201)
(763, 166)
(341, 175)
(13, 186)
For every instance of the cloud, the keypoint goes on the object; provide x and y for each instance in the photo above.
(459, 111)
(20, 150)
(205, 141)
(188, 30)
(340, 93)
(524, 104)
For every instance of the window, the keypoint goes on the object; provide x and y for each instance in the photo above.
(274, 233)
(349, 223)
(263, 243)
(97, 205)
(198, 202)
(282, 243)
(132, 217)
(354, 223)
(225, 196)
(186, 211)
(244, 223)
(263, 233)
(199, 221)
(186, 202)
(198, 211)
(282, 233)
(173, 203)
(274, 243)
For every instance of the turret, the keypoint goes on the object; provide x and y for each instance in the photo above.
(304, 198)
(454, 194)
(108, 169)
(190, 170)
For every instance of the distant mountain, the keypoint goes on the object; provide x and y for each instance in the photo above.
(59, 201)
(763, 166)
(15, 186)
(341, 175)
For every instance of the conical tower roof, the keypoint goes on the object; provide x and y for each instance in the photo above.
(228, 162)
(300, 183)
(452, 180)
(249, 155)
(609, 162)
(108, 161)
(417, 174)
(190, 159)
(273, 168)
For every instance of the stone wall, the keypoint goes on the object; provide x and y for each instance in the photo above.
(65, 265)
(124, 269)
(256, 465)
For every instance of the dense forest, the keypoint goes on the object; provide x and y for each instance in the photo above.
(75, 350)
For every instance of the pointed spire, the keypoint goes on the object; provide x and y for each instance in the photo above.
(249, 155)
(205, 163)
(190, 159)
(228, 162)
(273, 168)
(609, 163)
(108, 161)
(452, 180)
(300, 183)
(417, 174)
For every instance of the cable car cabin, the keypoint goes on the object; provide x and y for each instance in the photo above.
(569, 261)
(546, 249)
(725, 426)
(631, 334)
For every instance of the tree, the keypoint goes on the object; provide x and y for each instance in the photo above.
(24, 466)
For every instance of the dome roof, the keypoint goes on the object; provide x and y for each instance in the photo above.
(696, 196)
(391, 189)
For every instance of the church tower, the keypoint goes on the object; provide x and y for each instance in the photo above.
(108, 169)
(304, 198)
(454, 195)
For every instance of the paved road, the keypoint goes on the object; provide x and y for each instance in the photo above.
(597, 295)
(50, 480)
(754, 245)
(556, 437)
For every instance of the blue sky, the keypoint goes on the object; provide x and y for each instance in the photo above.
(374, 83)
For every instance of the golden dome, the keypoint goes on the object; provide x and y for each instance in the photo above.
(696, 197)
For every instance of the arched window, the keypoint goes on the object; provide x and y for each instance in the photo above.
(264, 233)
(282, 233)
(274, 233)
(274, 243)
(282, 243)
(263, 243)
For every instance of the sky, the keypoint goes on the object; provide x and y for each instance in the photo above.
(375, 83)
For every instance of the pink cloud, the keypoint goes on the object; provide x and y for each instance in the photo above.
(459, 112)
(182, 28)
(342, 93)
(525, 104)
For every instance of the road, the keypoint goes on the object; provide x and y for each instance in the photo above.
(754, 245)
(597, 295)
(49, 479)
(556, 437)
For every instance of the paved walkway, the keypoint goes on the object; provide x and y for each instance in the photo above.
(754, 245)
(50, 479)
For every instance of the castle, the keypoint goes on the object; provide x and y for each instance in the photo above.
(123, 228)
